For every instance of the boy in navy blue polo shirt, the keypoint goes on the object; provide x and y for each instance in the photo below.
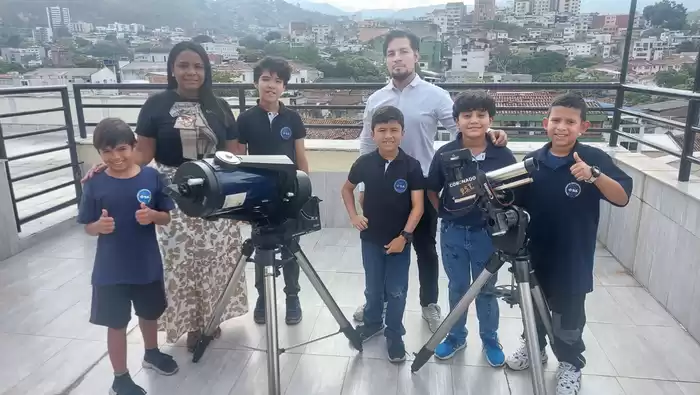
(466, 245)
(270, 128)
(564, 205)
(121, 206)
(392, 207)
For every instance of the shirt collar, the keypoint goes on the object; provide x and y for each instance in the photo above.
(414, 82)
(401, 155)
(281, 110)
(542, 154)
(482, 155)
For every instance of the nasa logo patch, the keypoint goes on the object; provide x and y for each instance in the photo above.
(400, 185)
(143, 196)
(572, 189)
(286, 133)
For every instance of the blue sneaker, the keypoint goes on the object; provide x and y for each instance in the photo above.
(493, 351)
(449, 347)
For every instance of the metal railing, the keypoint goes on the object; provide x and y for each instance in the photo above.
(8, 158)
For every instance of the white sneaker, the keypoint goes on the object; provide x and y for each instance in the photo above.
(359, 314)
(520, 360)
(431, 313)
(568, 379)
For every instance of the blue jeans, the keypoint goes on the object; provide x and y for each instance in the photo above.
(465, 253)
(385, 274)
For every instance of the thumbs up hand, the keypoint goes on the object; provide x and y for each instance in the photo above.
(105, 225)
(144, 215)
(580, 170)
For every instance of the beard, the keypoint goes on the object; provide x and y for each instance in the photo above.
(401, 76)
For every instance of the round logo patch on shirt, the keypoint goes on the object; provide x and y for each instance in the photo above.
(286, 133)
(572, 189)
(400, 185)
(144, 196)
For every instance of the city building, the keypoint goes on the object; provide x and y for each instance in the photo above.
(57, 17)
(571, 7)
(484, 10)
(227, 51)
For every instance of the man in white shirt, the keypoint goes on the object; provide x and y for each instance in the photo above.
(423, 105)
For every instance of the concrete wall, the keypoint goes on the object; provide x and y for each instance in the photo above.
(657, 236)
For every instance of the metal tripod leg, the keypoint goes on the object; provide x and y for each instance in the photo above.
(345, 326)
(521, 271)
(542, 308)
(428, 349)
(208, 333)
(266, 257)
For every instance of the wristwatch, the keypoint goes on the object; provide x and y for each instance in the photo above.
(595, 173)
(408, 236)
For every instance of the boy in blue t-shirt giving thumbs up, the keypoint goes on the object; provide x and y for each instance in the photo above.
(122, 206)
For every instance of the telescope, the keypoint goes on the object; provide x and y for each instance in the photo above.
(466, 188)
(268, 192)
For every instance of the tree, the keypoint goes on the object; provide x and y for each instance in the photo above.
(108, 49)
(81, 42)
(251, 55)
(111, 37)
(6, 67)
(358, 68)
(272, 36)
(683, 79)
(667, 14)
(202, 38)
(252, 42)
(584, 63)
(61, 32)
(13, 41)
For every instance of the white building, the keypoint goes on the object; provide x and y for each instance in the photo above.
(322, 33)
(81, 27)
(137, 71)
(59, 76)
(57, 17)
(649, 48)
(225, 50)
(151, 57)
(572, 7)
(473, 57)
(578, 49)
(521, 8)
(540, 7)
(454, 12)
(23, 55)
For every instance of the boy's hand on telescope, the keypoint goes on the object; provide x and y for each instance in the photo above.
(395, 246)
(359, 222)
(580, 169)
(144, 215)
(105, 224)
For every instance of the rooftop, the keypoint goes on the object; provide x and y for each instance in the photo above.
(49, 347)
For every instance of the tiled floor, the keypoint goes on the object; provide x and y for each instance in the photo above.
(48, 347)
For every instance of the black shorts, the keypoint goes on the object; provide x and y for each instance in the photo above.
(111, 304)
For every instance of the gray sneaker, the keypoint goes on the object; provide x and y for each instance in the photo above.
(431, 314)
(359, 314)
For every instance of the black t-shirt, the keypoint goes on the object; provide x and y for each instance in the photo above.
(388, 187)
(171, 119)
(564, 216)
(271, 137)
(466, 214)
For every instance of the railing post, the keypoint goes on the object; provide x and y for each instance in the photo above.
(11, 190)
(241, 101)
(689, 135)
(71, 142)
(79, 111)
(620, 97)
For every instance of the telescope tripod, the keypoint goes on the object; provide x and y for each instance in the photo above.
(528, 291)
(266, 246)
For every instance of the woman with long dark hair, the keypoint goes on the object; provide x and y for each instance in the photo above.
(187, 122)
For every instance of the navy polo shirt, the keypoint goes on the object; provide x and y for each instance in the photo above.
(466, 213)
(271, 134)
(564, 215)
(130, 254)
(388, 186)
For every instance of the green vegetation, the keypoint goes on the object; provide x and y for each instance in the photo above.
(667, 14)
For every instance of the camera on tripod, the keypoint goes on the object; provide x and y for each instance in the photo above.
(468, 185)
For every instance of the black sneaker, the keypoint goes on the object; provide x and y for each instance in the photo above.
(259, 312)
(124, 385)
(397, 350)
(368, 332)
(160, 362)
(293, 310)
